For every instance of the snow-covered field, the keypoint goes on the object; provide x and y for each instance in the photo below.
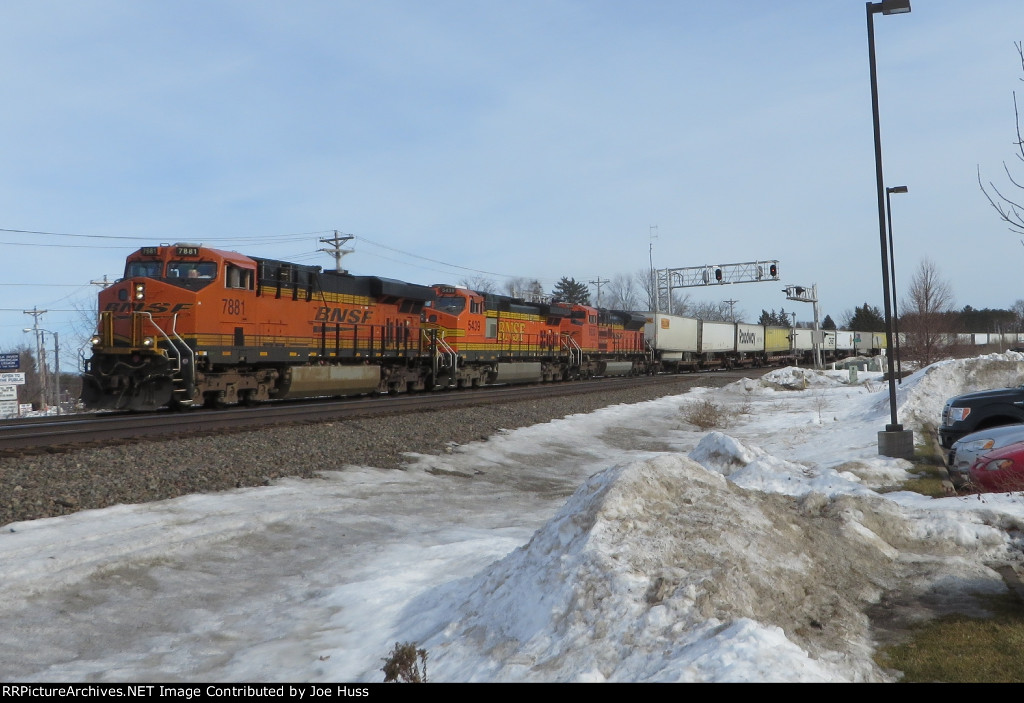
(623, 545)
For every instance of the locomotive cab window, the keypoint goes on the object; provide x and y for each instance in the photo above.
(192, 269)
(452, 306)
(238, 277)
(143, 269)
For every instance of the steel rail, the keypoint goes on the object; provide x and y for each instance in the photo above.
(65, 432)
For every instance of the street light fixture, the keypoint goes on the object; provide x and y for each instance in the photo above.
(894, 441)
(892, 275)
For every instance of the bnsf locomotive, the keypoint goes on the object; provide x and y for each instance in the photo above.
(190, 325)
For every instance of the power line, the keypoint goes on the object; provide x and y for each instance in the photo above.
(45, 285)
(434, 261)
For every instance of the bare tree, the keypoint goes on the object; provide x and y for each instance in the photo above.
(647, 293)
(525, 288)
(710, 311)
(647, 287)
(481, 284)
(1010, 210)
(926, 324)
(1018, 310)
(621, 293)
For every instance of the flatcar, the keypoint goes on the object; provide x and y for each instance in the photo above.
(689, 344)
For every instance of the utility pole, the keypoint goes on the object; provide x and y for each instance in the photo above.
(337, 240)
(56, 367)
(40, 359)
(599, 283)
(732, 313)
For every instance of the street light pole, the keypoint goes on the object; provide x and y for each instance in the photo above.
(892, 276)
(894, 441)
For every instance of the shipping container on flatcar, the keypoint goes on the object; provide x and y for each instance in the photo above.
(862, 342)
(675, 340)
(778, 344)
(844, 343)
(717, 343)
(803, 341)
(750, 344)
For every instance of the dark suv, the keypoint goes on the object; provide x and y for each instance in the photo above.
(971, 412)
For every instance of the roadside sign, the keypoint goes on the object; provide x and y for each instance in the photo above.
(10, 362)
(8, 408)
(25, 408)
(8, 392)
(16, 378)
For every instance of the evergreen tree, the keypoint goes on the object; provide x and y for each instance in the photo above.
(569, 290)
(867, 319)
(828, 323)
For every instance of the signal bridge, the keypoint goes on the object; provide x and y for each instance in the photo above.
(668, 280)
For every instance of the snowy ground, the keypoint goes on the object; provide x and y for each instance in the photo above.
(624, 545)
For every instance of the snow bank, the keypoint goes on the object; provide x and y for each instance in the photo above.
(663, 570)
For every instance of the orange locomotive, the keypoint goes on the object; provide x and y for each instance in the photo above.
(488, 338)
(190, 325)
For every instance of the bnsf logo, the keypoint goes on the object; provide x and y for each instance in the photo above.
(147, 307)
(747, 338)
(353, 316)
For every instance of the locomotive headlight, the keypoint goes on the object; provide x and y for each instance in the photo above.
(148, 342)
(140, 291)
(95, 340)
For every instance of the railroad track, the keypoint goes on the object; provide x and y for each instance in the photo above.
(68, 432)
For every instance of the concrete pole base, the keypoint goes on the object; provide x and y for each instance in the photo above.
(898, 444)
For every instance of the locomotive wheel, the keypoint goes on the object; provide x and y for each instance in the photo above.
(214, 400)
(180, 404)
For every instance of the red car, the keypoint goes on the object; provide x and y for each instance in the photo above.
(1001, 470)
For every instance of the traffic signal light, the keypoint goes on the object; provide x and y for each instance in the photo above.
(718, 275)
(774, 270)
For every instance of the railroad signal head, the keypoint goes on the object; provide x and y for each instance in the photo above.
(718, 275)
(774, 270)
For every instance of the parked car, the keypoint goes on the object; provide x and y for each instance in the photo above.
(972, 412)
(1000, 470)
(966, 450)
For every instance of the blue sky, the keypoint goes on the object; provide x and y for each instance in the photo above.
(531, 139)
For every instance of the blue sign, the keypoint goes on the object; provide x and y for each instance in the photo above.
(10, 361)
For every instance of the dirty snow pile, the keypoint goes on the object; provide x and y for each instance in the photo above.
(623, 545)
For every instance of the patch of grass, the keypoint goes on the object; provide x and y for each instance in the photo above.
(930, 476)
(931, 486)
(705, 415)
(962, 649)
(403, 664)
